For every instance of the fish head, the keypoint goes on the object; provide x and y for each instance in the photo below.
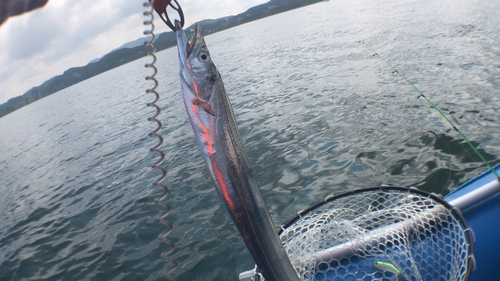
(197, 70)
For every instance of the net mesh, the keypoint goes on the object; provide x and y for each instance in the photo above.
(380, 234)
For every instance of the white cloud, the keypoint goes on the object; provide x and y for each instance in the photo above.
(32, 36)
(67, 33)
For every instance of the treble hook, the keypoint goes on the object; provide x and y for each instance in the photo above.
(161, 8)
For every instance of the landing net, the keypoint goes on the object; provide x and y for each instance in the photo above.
(383, 233)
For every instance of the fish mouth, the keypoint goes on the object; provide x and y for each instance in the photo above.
(186, 46)
(191, 42)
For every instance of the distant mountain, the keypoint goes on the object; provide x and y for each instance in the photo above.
(136, 49)
(136, 43)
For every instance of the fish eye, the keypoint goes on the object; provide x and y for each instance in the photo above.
(203, 56)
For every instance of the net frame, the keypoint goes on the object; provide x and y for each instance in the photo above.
(310, 264)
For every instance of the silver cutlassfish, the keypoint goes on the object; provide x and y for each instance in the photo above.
(215, 130)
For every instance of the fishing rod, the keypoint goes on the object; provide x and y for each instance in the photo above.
(438, 110)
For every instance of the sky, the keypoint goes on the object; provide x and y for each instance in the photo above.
(39, 45)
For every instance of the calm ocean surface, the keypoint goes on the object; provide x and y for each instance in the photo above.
(318, 113)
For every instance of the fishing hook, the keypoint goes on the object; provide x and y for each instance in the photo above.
(161, 6)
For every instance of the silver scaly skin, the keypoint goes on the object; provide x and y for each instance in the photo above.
(215, 130)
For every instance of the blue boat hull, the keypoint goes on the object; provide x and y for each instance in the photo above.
(484, 219)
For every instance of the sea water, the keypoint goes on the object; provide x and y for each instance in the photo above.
(318, 113)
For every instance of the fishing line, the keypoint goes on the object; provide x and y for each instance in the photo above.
(438, 110)
(159, 200)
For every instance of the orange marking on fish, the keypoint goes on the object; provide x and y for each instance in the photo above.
(196, 91)
(209, 143)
